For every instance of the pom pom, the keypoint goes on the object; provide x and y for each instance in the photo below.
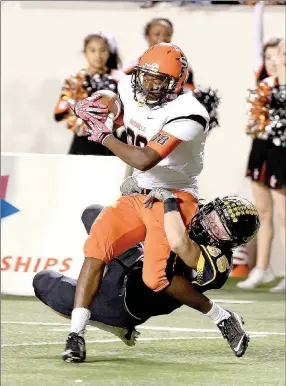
(96, 82)
(258, 108)
(277, 116)
(210, 99)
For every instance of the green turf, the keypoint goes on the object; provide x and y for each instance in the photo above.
(191, 360)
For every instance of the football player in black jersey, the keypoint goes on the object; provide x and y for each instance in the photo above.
(199, 261)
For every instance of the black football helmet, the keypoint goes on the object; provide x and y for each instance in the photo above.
(238, 216)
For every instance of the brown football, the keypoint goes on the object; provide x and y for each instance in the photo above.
(111, 100)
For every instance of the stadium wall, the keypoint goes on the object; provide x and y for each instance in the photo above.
(48, 194)
(42, 199)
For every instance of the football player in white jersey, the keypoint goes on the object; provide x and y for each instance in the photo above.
(166, 130)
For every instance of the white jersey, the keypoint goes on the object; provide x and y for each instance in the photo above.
(184, 118)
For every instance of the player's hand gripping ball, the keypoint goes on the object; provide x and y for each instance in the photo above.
(99, 112)
(110, 100)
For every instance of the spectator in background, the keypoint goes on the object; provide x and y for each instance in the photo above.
(101, 72)
(159, 30)
(267, 160)
(265, 65)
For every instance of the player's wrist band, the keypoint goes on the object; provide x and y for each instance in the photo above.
(171, 205)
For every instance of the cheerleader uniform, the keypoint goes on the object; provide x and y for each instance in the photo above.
(266, 161)
(77, 86)
(267, 125)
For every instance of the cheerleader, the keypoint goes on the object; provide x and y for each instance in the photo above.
(100, 73)
(267, 160)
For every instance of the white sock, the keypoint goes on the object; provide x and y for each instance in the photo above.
(217, 313)
(79, 320)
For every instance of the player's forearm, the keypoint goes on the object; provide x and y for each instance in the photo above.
(178, 237)
(175, 230)
(139, 158)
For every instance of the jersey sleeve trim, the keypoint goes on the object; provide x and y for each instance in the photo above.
(200, 268)
(193, 117)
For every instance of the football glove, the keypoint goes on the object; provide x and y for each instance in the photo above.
(159, 194)
(130, 187)
(95, 115)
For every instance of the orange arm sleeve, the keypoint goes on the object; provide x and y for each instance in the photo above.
(163, 143)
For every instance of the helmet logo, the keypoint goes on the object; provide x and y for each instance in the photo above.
(183, 61)
(151, 67)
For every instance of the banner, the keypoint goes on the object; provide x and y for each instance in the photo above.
(42, 200)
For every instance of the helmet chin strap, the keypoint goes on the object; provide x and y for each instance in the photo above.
(143, 101)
